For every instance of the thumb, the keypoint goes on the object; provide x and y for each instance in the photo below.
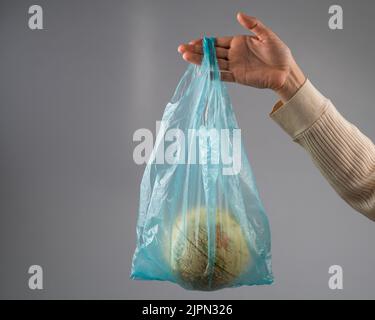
(253, 24)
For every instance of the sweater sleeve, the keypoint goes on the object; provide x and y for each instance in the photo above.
(344, 155)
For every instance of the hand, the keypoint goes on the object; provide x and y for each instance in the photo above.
(261, 60)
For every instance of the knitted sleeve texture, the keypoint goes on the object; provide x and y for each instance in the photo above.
(342, 153)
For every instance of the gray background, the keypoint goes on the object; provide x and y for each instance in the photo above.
(71, 97)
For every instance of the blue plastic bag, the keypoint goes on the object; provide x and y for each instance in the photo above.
(201, 223)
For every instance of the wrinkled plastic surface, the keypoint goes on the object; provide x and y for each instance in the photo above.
(198, 227)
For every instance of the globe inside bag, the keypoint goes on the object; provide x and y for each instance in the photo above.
(201, 223)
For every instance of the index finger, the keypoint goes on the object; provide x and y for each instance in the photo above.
(222, 42)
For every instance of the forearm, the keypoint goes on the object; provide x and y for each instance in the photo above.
(344, 155)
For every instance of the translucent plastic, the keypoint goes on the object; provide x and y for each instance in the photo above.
(198, 226)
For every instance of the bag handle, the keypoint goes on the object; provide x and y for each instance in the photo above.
(209, 59)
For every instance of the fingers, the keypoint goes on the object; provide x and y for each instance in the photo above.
(223, 64)
(227, 76)
(254, 25)
(196, 58)
(196, 41)
(221, 53)
(222, 42)
(193, 53)
(192, 57)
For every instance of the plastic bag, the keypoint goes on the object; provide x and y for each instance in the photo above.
(201, 223)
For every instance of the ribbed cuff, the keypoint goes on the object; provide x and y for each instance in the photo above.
(301, 111)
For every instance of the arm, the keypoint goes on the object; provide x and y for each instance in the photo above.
(342, 153)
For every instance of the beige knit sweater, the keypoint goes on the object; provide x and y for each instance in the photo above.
(344, 155)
